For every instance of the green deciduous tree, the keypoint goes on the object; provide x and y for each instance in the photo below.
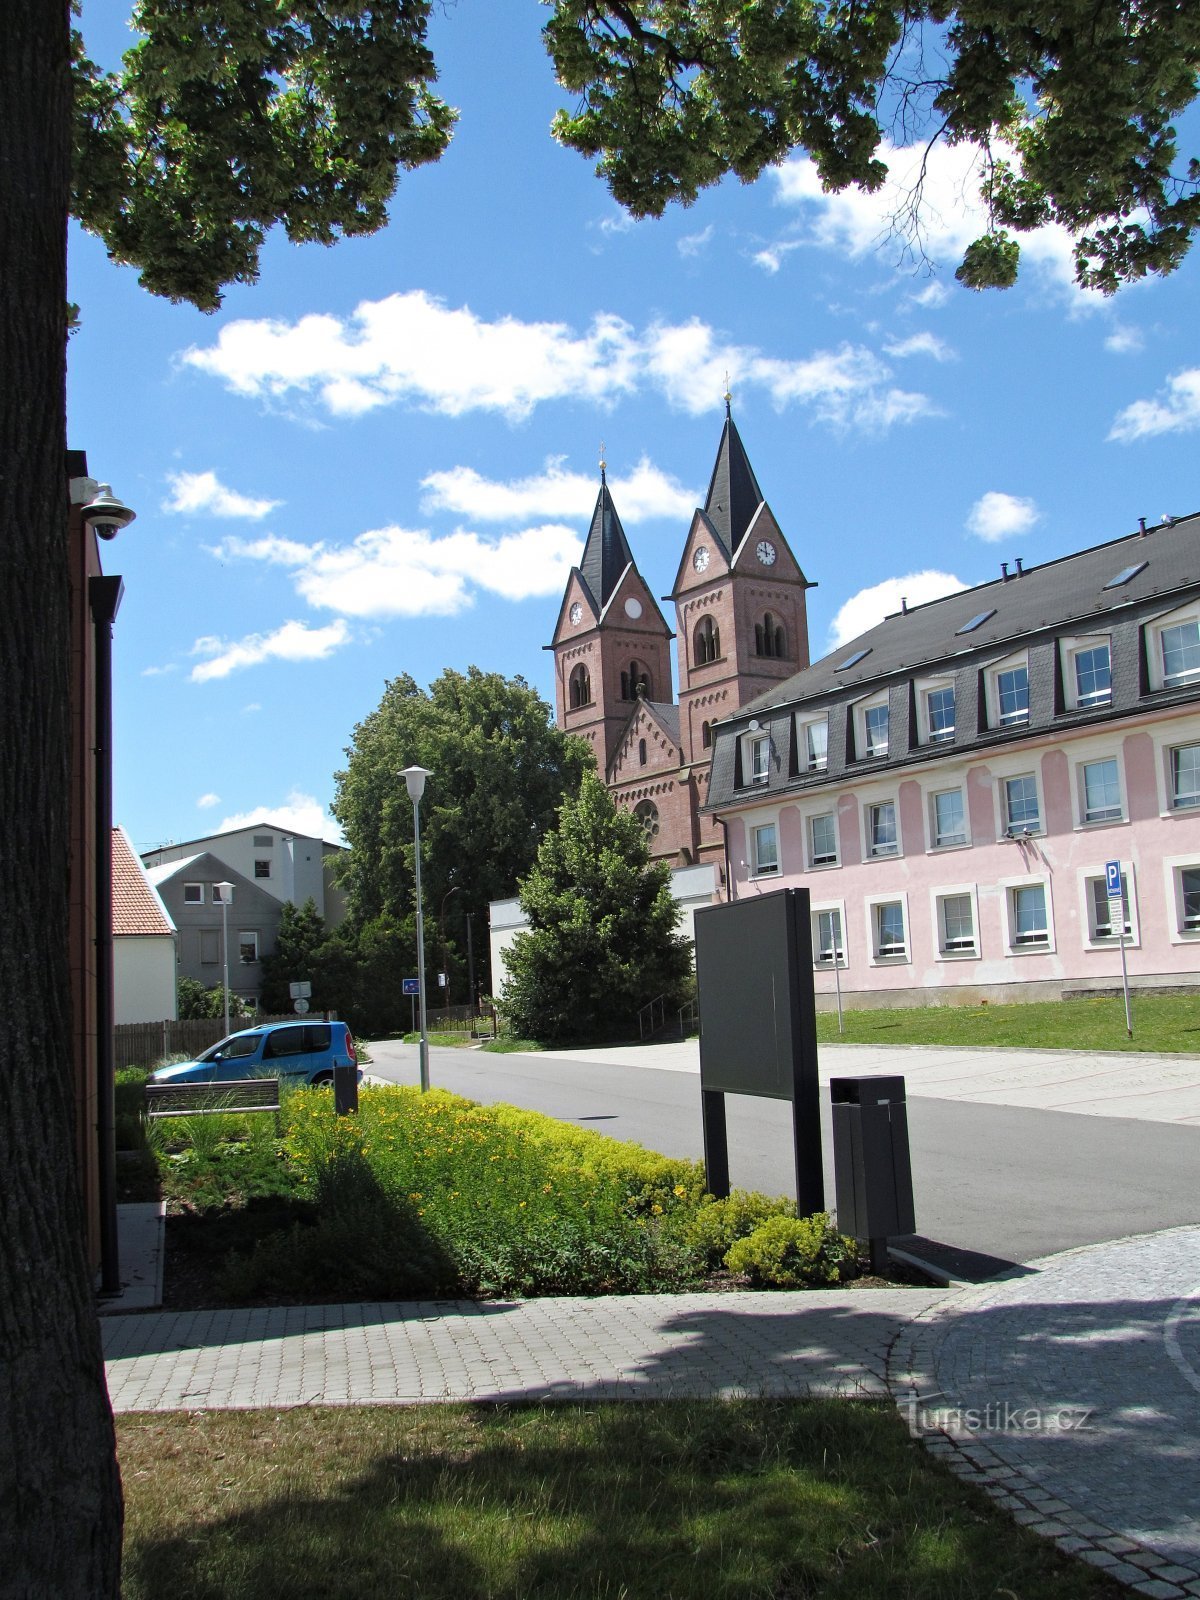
(1071, 105)
(499, 771)
(298, 941)
(602, 939)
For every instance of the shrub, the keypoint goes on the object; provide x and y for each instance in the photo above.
(788, 1252)
(716, 1225)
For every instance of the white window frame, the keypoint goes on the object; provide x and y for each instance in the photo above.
(1173, 869)
(828, 908)
(216, 896)
(1017, 830)
(862, 751)
(937, 898)
(870, 853)
(872, 904)
(247, 936)
(196, 899)
(810, 855)
(1070, 649)
(1011, 886)
(926, 687)
(1079, 787)
(755, 744)
(807, 762)
(1173, 804)
(1096, 874)
(757, 868)
(992, 676)
(1153, 634)
(931, 798)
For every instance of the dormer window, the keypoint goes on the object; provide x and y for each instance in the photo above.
(871, 728)
(760, 759)
(1012, 696)
(814, 744)
(1180, 646)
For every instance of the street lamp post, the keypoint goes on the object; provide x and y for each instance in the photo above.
(226, 896)
(414, 782)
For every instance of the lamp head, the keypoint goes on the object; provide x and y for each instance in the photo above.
(414, 782)
(226, 893)
(106, 513)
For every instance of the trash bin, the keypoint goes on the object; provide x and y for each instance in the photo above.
(345, 1089)
(872, 1171)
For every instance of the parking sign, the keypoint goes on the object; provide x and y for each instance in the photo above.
(1112, 877)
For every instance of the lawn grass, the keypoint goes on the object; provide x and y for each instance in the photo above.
(1166, 1023)
(748, 1500)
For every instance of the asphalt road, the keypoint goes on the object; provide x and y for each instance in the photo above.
(994, 1185)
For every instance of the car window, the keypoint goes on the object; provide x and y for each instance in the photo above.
(284, 1042)
(232, 1046)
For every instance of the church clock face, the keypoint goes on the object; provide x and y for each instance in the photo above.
(765, 551)
(700, 559)
(576, 614)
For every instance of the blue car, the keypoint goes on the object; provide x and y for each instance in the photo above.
(293, 1052)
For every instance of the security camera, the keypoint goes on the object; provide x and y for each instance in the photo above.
(106, 514)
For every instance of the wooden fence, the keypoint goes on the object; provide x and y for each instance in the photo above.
(143, 1044)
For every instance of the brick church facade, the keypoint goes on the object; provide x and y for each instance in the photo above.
(741, 628)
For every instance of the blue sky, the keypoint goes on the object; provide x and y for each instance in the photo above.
(382, 458)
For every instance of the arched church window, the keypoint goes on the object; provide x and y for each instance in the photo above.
(647, 814)
(580, 686)
(641, 752)
(706, 735)
(707, 641)
(769, 637)
(635, 683)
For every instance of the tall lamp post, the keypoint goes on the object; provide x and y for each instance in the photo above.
(414, 782)
(226, 896)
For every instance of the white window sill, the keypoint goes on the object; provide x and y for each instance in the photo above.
(958, 955)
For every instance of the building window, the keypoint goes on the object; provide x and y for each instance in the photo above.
(827, 939)
(647, 814)
(949, 818)
(210, 947)
(769, 639)
(1100, 918)
(580, 684)
(815, 737)
(1021, 811)
(822, 840)
(706, 642)
(218, 895)
(875, 728)
(193, 894)
(766, 850)
(888, 922)
(635, 682)
(1028, 923)
(247, 946)
(1180, 645)
(1185, 777)
(262, 869)
(881, 829)
(1093, 676)
(1012, 696)
(641, 752)
(1100, 784)
(939, 712)
(1189, 900)
(956, 925)
(760, 760)
(263, 841)
(706, 735)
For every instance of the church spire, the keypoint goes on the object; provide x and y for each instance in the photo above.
(733, 492)
(606, 553)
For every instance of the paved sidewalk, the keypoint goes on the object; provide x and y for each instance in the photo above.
(1071, 1393)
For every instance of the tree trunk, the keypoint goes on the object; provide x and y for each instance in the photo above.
(60, 1498)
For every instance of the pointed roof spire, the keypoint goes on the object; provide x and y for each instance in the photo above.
(733, 492)
(606, 553)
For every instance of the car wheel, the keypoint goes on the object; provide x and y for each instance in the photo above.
(321, 1080)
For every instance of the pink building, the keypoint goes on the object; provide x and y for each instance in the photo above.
(951, 786)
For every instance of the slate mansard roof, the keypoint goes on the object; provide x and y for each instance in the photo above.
(1113, 588)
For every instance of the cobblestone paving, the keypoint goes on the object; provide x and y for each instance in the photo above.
(1071, 1394)
(631, 1347)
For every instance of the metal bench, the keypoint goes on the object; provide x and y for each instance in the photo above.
(210, 1099)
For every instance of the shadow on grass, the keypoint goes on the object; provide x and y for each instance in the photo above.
(781, 1500)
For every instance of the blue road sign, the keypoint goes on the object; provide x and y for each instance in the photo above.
(1112, 877)
(410, 986)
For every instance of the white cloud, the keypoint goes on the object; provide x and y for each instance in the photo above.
(294, 641)
(157, 672)
(996, 515)
(204, 492)
(644, 493)
(921, 344)
(617, 222)
(693, 244)
(932, 296)
(207, 800)
(1124, 340)
(278, 552)
(1176, 410)
(412, 348)
(299, 813)
(253, 706)
(870, 606)
(951, 215)
(772, 256)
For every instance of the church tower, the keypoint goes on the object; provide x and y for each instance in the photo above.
(739, 597)
(612, 646)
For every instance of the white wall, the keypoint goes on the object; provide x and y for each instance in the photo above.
(144, 977)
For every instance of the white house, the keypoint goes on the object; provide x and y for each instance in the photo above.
(144, 941)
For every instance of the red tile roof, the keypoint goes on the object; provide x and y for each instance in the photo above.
(136, 907)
